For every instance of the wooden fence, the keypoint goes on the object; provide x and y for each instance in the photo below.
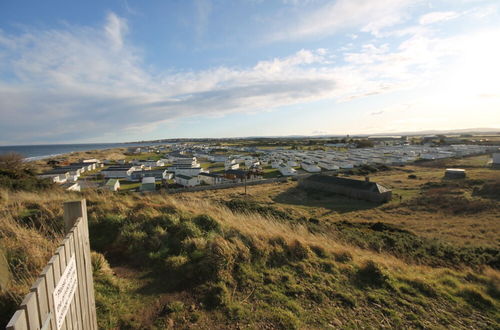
(63, 296)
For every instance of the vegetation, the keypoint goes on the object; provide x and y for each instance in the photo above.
(15, 174)
(266, 260)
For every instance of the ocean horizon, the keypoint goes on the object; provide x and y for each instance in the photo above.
(42, 151)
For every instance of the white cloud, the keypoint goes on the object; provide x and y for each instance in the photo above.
(115, 29)
(438, 16)
(369, 15)
(81, 83)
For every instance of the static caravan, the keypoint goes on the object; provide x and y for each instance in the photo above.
(310, 167)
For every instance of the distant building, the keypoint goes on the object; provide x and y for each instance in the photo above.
(310, 167)
(112, 184)
(148, 184)
(496, 158)
(358, 189)
(210, 178)
(118, 171)
(71, 186)
(454, 173)
(186, 181)
(287, 170)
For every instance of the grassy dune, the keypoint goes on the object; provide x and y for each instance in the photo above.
(278, 257)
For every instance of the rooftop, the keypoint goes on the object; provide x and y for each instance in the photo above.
(349, 183)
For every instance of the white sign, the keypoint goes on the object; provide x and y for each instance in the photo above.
(64, 292)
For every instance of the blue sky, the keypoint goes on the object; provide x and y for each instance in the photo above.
(124, 70)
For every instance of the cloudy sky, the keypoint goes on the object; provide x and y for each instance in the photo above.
(125, 70)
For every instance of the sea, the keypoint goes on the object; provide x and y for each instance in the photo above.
(35, 152)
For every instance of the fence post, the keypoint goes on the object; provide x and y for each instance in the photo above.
(72, 211)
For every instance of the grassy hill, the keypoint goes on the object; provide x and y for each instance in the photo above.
(278, 257)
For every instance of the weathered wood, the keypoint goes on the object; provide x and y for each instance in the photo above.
(75, 301)
(18, 321)
(88, 265)
(40, 290)
(48, 276)
(61, 251)
(38, 308)
(30, 307)
(72, 211)
(82, 285)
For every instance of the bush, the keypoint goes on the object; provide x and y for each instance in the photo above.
(476, 299)
(104, 231)
(283, 319)
(343, 256)
(297, 251)
(370, 274)
(216, 295)
(174, 307)
(206, 223)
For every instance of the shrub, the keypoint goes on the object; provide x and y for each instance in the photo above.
(105, 230)
(319, 251)
(99, 264)
(206, 223)
(423, 287)
(216, 295)
(297, 251)
(343, 256)
(283, 319)
(176, 263)
(174, 307)
(370, 274)
(476, 299)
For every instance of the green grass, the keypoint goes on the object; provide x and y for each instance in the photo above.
(129, 185)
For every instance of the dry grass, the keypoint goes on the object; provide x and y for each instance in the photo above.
(29, 230)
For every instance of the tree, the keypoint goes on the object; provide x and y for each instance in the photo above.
(364, 144)
(12, 161)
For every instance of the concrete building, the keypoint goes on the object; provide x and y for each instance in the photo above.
(454, 173)
(210, 179)
(496, 159)
(112, 185)
(118, 172)
(148, 184)
(357, 189)
(310, 167)
(187, 181)
(287, 170)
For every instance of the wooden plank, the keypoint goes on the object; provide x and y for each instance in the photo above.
(77, 321)
(18, 321)
(72, 211)
(30, 307)
(64, 261)
(40, 290)
(57, 273)
(48, 275)
(88, 266)
(82, 284)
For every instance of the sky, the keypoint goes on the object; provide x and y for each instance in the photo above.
(127, 70)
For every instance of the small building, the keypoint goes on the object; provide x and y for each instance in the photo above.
(112, 184)
(358, 189)
(310, 167)
(454, 173)
(148, 184)
(71, 186)
(496, 159)
(118, 172)
(187, 181)
(210, 178)
(287, 170)
(241, 175)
